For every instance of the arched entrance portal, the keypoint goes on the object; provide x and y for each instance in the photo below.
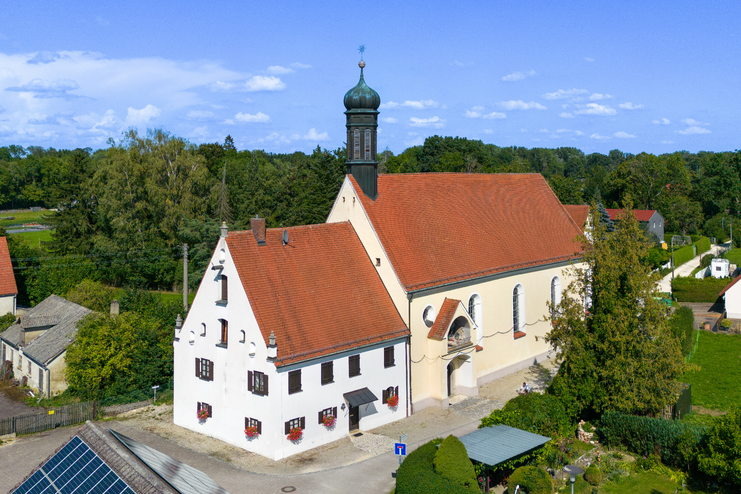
(460, 377)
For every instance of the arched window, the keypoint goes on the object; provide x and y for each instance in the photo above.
(474, 309)
(518, 309)
(203, 329)
(555, 291)
(367, 144)
(356, 139)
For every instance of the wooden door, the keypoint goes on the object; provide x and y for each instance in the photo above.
(354, 418)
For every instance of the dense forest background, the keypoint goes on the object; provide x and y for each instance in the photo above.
(124, 212)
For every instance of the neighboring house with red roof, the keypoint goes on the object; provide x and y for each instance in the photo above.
(289, 326)
(8, 289)
(651, 219)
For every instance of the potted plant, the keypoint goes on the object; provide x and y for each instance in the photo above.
(329, 421)
(393, 401)
(295, 434)
(202, 414)
(251, 432)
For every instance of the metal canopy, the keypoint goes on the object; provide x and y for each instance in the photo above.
(360, 397)
(493, 445)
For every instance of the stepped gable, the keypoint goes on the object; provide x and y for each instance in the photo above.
(439, 228)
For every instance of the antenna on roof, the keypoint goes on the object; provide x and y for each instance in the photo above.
(285, 237)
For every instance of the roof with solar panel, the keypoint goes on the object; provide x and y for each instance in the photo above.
(97, 461)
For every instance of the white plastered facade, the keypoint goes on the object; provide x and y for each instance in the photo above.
(228, 395)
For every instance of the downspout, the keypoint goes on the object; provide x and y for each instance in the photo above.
(409, 356)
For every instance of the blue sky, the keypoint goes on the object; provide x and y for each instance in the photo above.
(638, 76)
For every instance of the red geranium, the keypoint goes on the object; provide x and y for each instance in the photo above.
(295, 434)
(393, 401)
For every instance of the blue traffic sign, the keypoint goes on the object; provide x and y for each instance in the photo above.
(400, 449)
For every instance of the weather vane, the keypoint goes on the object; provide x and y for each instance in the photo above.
(361, 49)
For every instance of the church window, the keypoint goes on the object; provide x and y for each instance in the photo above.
(518, 310)
(555, 291)
(356, 139)
(367, 144)
(474, 309)
(428, 316)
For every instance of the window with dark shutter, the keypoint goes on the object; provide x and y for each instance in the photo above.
(257, 382)
(198, 367)
(224, 288)
(354, 365)
(294, 423)
(205, 406)
(327, 412)
(250, 422)
(389, 392)
(388, 357)
(327, 372)
(224, 331)
(294, 381)
(204, 369)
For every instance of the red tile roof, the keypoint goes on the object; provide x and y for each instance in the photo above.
(640, 214)
(443, 227)
(729, 285)
(579, 212)
(320, 293)
(7, 280)
(443, 319)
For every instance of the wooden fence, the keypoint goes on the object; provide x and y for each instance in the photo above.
(49, 419)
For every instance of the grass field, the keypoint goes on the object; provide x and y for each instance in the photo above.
(733, 255)
(715, 385)
(33, 238)
(24, 217)
(644, 483)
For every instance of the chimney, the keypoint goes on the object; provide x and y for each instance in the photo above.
(258, 229)
(272, 348)
(224, 230)
(114, 308)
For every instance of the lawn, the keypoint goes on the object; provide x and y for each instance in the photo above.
(23, 217)
(643, 483)
(715, 384)
(34, 238)
(733, 255)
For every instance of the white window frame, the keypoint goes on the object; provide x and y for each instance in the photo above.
(518, 308)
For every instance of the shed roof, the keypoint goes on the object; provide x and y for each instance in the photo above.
(439, 228)
(443, 319)
(493, 445)
(319, 294)
(7, 280)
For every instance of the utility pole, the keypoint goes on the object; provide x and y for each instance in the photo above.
(185, 277)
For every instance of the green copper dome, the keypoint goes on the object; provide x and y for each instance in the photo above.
(361, 97)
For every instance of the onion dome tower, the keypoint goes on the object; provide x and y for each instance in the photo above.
(362, 104)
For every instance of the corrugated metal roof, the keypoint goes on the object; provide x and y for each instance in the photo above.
(493, 445)
(360, 397)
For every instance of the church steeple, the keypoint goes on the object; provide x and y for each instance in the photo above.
(362, 104)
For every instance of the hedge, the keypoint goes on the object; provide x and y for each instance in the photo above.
(682, 325)
(534, 412)
(642, 435)
(532, 480)
(695, 290)
(451, 462)
(683, 254)
(417, 476)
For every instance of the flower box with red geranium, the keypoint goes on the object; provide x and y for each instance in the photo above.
(202, 414)
(329, 420)
(393, 401)
(295, 434)
(251, 432)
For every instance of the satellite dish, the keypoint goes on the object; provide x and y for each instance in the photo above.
(285, 237)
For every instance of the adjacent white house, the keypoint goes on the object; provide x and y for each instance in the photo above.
(732, 298)
(289, 327)
(8, 289)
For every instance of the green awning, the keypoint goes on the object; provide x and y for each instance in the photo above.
(493, 445)
(360, 397)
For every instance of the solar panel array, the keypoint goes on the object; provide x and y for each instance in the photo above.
(75, 469)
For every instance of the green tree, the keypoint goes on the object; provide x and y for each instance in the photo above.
(720, 456)
(568, 190)
(91, 294)
(452, 462)
(619, 354)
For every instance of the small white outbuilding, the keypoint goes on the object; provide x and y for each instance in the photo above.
(720, 268)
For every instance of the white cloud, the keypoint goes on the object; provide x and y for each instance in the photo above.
(416, 105)
(143, 116)
(663, 121)
(200, 133)
(629, 106)
(667, 142)
(389, 106)
(276, 139)
(264, 83)
(488, 131)
(478, 112)
(417, 141)
(43, 57)
(599, 137)
(694, 130)
(596, 109)
(462, 64)
(623, 135)
(599, 96)
(563, 94)
(691, 121)
(518, 76)
(390, 120)
(257, 118)
(520, 105)
(566, 115)
(200, 115)
(588, 59)
(434, 122)
(313, 135)
(297, 65)
(277, 69)
(41, 88)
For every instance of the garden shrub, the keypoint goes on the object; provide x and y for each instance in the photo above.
(533, 480)
(720, 456)
(539, 413)
(593, 475)
(642, 435)
(451, 462)
(726, 323)
(695, 290)
(706, 260)
(682, 327)
(417, 476)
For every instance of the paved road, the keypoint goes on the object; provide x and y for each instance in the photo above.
(687, 268)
